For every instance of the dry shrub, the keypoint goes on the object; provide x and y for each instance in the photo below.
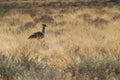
(116, 17)
(26, 26)
(47, 19)
(44, 19)
(87, 17)
(37, 20)
(14, 21)
(97, 21)
(31, 12)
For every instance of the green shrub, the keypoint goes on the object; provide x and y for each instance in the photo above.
(91, 68)
(117, 68)
(28, 67)
(35, 69)
(9, 68)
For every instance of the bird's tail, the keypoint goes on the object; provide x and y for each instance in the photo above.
(32, 36)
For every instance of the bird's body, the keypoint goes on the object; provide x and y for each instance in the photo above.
(38, 35)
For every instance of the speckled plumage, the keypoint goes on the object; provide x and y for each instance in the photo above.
(38, 35)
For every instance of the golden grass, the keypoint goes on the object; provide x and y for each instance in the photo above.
(63, 42)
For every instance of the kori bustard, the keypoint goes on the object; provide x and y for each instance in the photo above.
(38, 35)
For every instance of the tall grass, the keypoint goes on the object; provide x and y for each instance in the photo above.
(27, 67)
(81, 41)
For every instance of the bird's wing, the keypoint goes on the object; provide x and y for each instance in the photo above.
(36, 34)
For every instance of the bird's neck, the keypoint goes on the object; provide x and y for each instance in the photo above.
(43, 29)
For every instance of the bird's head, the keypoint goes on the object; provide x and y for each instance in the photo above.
(44, 25)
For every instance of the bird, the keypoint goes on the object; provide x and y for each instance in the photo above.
(38, 35)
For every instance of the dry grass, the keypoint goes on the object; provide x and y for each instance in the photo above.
(72, 34)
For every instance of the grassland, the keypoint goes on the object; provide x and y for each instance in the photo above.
(82, 40)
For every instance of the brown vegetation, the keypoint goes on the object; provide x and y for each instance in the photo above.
(76, 32)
